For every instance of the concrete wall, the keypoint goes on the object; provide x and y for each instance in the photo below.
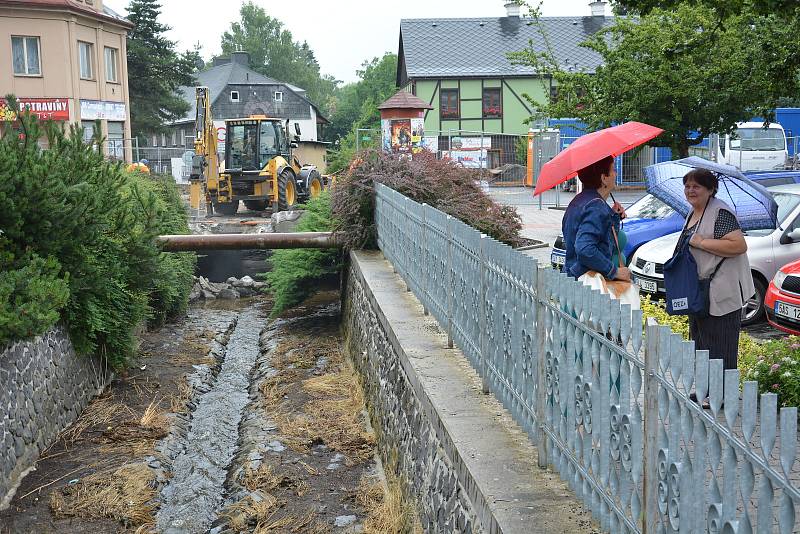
(44, 386)
(467, 467)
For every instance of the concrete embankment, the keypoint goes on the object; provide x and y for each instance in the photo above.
(463, 459)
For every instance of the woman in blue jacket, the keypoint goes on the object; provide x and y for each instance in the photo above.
(588, 223)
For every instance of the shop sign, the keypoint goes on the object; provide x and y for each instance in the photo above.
(100, 109)
(56, 109)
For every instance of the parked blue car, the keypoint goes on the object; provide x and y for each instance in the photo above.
(648, 218)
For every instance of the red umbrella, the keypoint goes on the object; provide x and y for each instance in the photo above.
(591, 148)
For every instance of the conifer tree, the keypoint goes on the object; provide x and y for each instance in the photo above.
(155, 70)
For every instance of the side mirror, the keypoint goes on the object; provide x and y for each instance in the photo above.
(794, 235)
(293, 144)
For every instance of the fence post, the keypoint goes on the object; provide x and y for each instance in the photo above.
(449, 284)
(483, 320)
(138, 154)
(425, 284)
(541, 393)
(650, 431)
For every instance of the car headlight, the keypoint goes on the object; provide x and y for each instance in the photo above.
(780, 276)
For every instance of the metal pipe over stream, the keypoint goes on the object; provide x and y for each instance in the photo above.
(181, 243)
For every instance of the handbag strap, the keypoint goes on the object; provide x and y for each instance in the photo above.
(616, 242)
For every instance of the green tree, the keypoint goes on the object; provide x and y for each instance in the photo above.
(357, 103)
(274, 53)
(680, 70)
(155, 70)
(724, 8)
(357, 107)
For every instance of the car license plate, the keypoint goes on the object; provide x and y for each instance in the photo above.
(787, 310)
(647, 285)
(557, 259)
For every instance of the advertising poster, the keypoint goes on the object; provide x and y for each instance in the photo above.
(431, 143)
(471, 159)
(386, 135)
(401, 136)
(417, 132)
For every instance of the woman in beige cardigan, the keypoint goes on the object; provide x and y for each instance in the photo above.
(717, 244)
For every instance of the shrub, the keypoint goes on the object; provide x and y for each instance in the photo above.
(777, 370)
(93, 225)
(296, 272)
(445, 185)
(750, 350)
(31, 294)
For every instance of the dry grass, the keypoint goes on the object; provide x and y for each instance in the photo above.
(154, 417)
(387, 510)
(177, 401)
(243, 515)
(333, 413)
(124, 494)
(101, 412)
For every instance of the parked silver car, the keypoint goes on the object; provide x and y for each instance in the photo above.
(767, 251)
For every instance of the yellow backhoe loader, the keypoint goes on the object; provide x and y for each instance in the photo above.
(259, 167)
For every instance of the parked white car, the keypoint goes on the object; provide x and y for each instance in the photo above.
(767, 251)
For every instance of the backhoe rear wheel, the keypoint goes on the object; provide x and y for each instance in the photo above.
(287, 190)
(315, 187)
(226, 208)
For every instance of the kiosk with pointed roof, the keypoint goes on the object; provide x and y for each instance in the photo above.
(403, 124)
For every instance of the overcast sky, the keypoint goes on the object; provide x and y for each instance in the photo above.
(342, 34)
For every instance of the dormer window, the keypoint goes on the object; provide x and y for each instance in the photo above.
(234, 96)
(278, 96)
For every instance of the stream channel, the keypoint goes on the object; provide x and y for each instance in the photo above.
(193, 497)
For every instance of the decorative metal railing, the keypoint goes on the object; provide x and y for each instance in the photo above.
(604, 397)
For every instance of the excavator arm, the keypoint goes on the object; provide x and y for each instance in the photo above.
(205, 162)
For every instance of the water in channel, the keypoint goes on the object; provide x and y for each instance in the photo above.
(191, 500)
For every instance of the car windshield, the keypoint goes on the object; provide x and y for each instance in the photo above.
(786, 202)
(241, 140)
(648, 207)
(759, 139)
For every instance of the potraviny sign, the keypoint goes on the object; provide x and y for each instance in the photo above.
(56, 109)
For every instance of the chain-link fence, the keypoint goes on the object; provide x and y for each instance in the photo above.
(175, 160)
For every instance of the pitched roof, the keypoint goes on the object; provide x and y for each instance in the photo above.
(442, 48)
(404, 100)
(233, 73)
(106, 14)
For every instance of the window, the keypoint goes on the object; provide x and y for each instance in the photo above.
(174, 137)
(163, 139)
(88, 131)
(234, 96)
(278, 96)
(448, 107)
(25, 56)
(492, 103)
(85, 60)
(181, 137)
(111, 64)
(155, 140)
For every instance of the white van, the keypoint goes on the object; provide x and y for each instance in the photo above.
(751, 147)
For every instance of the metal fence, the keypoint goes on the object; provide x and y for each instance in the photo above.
(604, 398)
